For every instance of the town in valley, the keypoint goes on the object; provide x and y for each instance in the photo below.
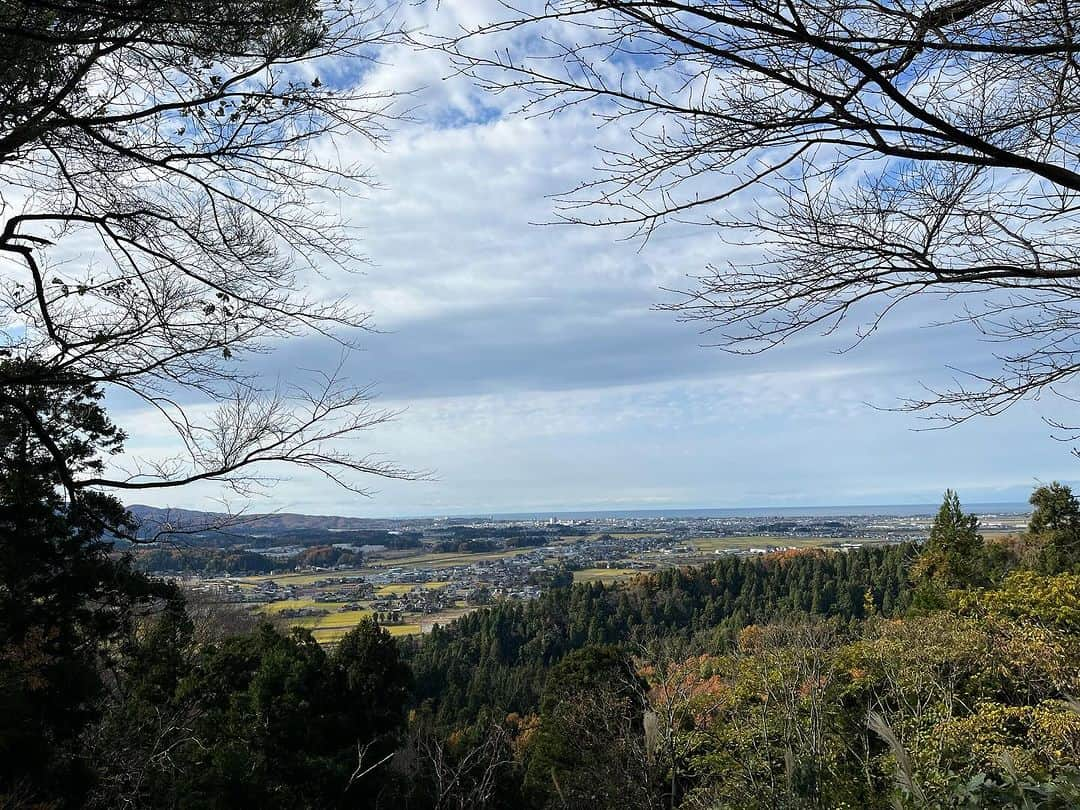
(327, 573)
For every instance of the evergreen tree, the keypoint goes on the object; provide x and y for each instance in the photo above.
(65, 600)
(1055, 528)
(713, 601)
(953, 554)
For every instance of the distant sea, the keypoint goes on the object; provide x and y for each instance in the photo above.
(887, 510)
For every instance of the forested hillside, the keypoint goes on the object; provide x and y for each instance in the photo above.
(498, 658)
(943, 675)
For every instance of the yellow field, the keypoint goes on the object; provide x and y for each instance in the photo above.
(293, 604)
(604, 574)
(344, 618)
(302, 579)
(393, 590)
(332, 635)
(275, 608)
(398, 588)
(440, 560)
(332, 626)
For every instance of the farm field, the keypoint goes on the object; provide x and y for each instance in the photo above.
(274, 608)
(331, 627)
(331, 621)
(605, 574)
(445, 559)
(328, 628)
(332, 635)
(412, 590)
(399, 588)
(302, 579)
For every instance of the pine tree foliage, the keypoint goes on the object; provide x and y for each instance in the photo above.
(499, 657)
(952, 556)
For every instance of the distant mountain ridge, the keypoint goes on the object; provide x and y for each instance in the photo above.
(272, 522)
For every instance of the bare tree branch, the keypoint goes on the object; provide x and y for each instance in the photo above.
(173, 156)
(894, 151)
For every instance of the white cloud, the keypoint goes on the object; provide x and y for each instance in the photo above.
(537, 376)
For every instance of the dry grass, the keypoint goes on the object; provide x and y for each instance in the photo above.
(343, 618)
(398, 588)
(294, 604)
(605, 574)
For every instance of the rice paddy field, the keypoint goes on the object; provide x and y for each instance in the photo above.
(333, 619)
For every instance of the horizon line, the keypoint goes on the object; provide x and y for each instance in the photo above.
(978, 507)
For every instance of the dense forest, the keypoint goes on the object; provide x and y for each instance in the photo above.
(937, 675)
(942, 675)
(498, 658)
(181, 559)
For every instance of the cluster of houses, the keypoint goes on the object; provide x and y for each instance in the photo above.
(639, 544)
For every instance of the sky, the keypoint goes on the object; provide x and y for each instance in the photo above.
(533, 371)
